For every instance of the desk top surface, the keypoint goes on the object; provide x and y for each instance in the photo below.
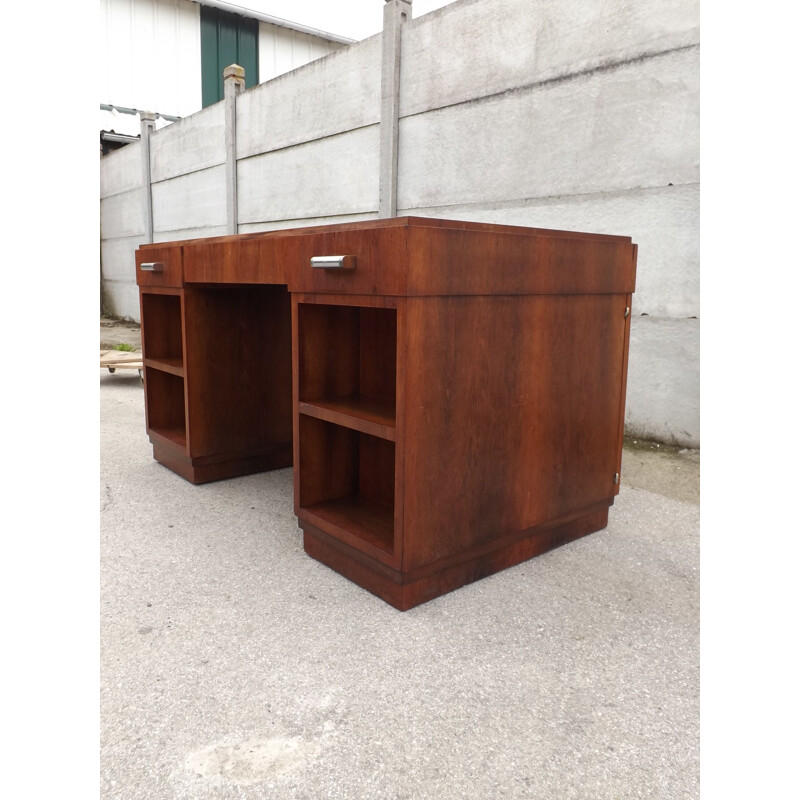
(402, 222)
(403, 256)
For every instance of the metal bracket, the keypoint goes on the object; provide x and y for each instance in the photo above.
(616, 478)
(333, 262)
(627, 311)
(152, 266)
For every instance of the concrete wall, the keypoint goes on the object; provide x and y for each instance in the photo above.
(308, 142)
(188, 177)
(552, 113)
(121, 228)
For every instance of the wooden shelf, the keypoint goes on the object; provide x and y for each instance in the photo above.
(172, 365)
(359, 517)
(375, 417)
(176, 436)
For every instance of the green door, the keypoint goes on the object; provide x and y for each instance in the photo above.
(226, 39)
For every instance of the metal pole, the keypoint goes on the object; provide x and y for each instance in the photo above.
(147, 122)
(233, 83)
(395, 14)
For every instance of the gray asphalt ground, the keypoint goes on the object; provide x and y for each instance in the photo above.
(235, 666)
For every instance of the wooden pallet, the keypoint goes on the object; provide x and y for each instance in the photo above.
(113, 360)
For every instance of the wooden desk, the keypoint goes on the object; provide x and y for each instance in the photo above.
(452, 400)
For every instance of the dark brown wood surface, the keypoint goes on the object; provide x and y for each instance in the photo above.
(453, 404)
(218, 379)
(165, 402)
(162, 335)
(234, 260)
(238, 369)
(382, 224)
(171, 256)
(409, 256)
(443, 261)
(404, 589)
(511, 415)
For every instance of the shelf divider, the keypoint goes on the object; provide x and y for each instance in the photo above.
(373, 417)
(170, 436)
(358, 517)
(172, 365)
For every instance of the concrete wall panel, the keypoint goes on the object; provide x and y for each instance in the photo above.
(118, 258)
(329, 177)
(121, 170)
(196, 143)
(190, 233)
(631, 127)
(259, 227)
(122, 215)
(338, 93)
(121, 299)
(473, 49)
(663, 399)
(190, 201)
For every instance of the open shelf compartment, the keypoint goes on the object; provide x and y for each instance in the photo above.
(348, 366)
(347, 483)
(166, 415)
(161, 328)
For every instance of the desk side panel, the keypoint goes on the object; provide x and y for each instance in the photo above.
(512, 409)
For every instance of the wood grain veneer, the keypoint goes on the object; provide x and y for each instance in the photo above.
(453, 404)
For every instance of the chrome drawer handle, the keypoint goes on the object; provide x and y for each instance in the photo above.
(152, 266)
(333, 262)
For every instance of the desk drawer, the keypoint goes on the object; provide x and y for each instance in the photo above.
(347, 262)
(159, 266)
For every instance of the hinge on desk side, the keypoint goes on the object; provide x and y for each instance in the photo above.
(616, 478)
(627, 311)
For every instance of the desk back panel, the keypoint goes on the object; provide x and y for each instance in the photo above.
(238, 368)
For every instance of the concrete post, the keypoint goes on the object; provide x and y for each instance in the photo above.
(147, 122)
(395, 14)
(233, 83)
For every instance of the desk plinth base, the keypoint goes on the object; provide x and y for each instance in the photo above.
(217, 468)
(406, 590)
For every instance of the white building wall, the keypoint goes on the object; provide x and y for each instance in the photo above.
(151, 58)
(281, 50)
